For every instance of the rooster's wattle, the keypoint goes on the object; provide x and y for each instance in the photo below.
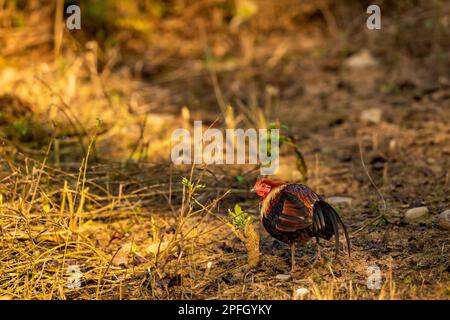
(294, 213)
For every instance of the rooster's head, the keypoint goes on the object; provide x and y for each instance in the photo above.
(263, 186)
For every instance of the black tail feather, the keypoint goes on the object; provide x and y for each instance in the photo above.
(345, 233)
(335, 229)
(323, 210)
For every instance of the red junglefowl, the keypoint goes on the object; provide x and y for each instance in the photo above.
(294, 213)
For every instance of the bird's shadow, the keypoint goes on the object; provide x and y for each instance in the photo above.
(277, 249)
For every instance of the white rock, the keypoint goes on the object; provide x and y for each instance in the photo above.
(444, 219)
(392, 145)
(339, 200)
(156, 247)
(416, 214)
(283, 277)
(208, 268)
(299, 293)
(121, 257)
(372, 115)
(362, 59)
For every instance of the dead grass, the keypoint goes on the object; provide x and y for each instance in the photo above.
(85, 178)
(129, 244)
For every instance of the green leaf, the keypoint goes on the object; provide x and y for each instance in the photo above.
(238, 217)
(245, 9)
(46, 208)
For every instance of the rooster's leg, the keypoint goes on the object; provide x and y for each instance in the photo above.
(317, 257)
(292, 257)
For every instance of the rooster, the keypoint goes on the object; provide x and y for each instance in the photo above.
(294, 213)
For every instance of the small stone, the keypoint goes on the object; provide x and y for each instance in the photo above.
(283, 277)
(361, 60)
(416, 214)
(156, 247)
(440, 95)
(392, 145)
(372, 115)
(339, 200)
(208, 268)
(300, 293)
(444, 219)
(121, 257)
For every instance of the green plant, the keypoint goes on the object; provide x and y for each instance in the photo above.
(21, 126)
(192, 187)
(288, 140)
(239, 218)
(242, 227)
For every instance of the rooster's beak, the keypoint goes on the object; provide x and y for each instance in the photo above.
(252, 190)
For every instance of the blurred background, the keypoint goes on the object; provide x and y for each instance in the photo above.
(136, 59)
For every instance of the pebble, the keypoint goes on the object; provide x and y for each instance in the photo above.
(208, 268)
(444, 219)
(299, 293)
(372, 115)
(361, 60)
(416, 214)
(339, 200)
(283, 277)
(121, 257)
(392, 145)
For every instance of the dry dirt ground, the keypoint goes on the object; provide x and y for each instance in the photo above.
(86, 187)
(124, 235)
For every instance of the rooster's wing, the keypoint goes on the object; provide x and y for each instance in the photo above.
(298, 207)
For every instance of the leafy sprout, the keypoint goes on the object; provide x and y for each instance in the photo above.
(192, 187)
(288, 140)
(239, 218)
